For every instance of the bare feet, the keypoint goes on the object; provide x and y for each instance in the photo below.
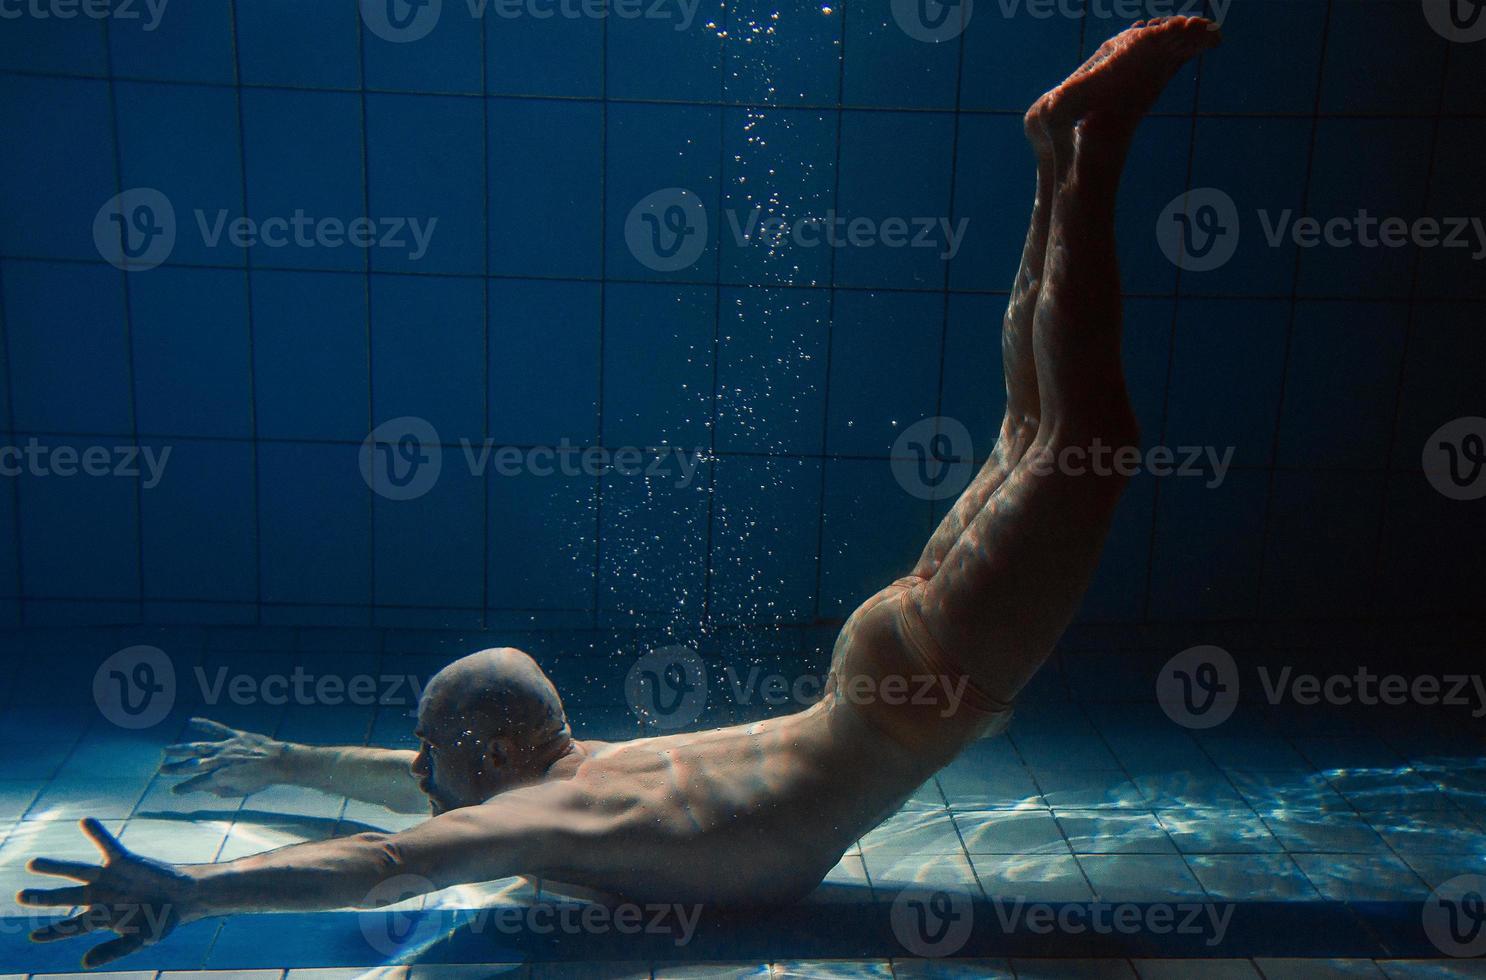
(1119, 84)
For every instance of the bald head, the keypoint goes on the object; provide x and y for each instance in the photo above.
(487, 721)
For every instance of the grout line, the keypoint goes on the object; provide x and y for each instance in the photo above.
(129, 366)
(825, 409)
(1266, 525)
(366, 291)
(247, 270)
(1381, 300)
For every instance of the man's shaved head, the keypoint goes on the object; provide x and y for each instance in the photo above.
(488, 721)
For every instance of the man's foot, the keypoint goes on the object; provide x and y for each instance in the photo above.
(1119, 84)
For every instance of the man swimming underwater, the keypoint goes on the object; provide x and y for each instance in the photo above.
(753, 814)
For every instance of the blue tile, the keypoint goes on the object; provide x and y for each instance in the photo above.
(1398, 77)
(881, 179)
(68, 347)
(1431, 561)
(872, 533)
(304, 157)
(885, 358)
(188, 43)
(658, 364)
(546, 184)
(779, 165)
(652, 555)
(1454, 269)
(183, 141)
(425, 166)
(1342, 378)
(1161, 145)
(315, 515)
(655, 148)
(528, 320)
(10, 565)
(665, 51)
(1252, 71)
(1444, 374)
(544, 56)
(974, 388)
(1207, 547)
(1225, 376)
(1315, 569)
(199, 524)
(543, 532)
(191, 370)
(1010, 60)
(310, 347)
(782, 53)
(66, 46)
(430, 551)
(281, 42)
(765, 522)
(446, 59)
(54, 177)
(428, 353)
(1387, 182)
(1466, 62)
(885, 66)
(1146, 353)
(990, 208)
(1117, 592)
(771, 370)
(1268, 199)
(79, 534)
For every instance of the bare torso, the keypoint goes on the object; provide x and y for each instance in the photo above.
(761, 812)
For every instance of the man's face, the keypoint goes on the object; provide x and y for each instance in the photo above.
(454, 767)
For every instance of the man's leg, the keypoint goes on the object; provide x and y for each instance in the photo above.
(1019, 424)
(1007, 587)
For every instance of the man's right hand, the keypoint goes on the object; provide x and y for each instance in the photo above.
(232, 763)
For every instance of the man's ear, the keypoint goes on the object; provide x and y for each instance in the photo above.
(502, 751)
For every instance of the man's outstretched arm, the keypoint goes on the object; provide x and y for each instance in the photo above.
(234, 763)
(143, 901)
